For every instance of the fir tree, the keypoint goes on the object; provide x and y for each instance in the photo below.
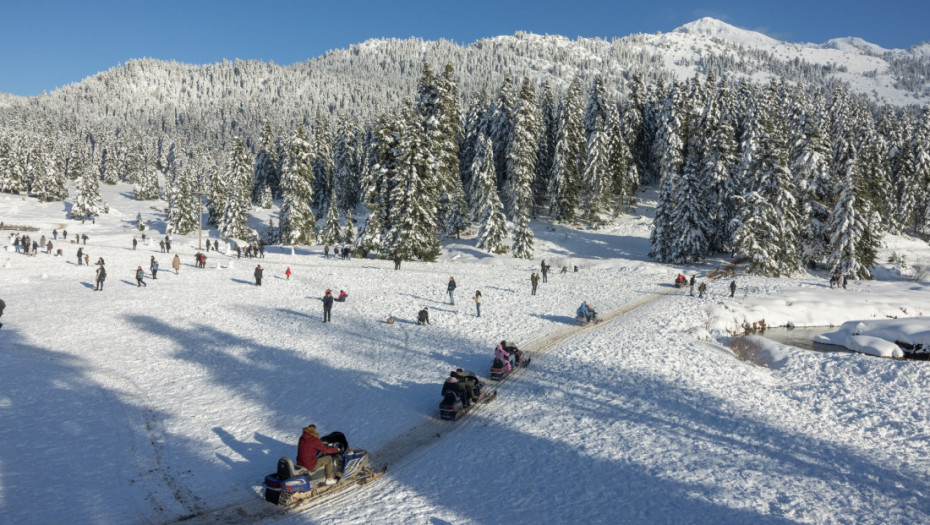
(48, 183)
(297, 222)
(87, 200)
(266, 169)
(183, 215)
(492, 225)
(413, 197)
(348, 232)
(331, 231)
(848, 228)
(238, 202)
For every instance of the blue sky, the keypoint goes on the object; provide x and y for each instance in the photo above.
(48, 44)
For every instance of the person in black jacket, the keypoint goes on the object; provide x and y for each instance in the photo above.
(397, 260)
(258, 275)
(423, 316)
(2, 307)
(451, 289)
(327, 307)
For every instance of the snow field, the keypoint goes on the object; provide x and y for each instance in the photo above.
(176, 399)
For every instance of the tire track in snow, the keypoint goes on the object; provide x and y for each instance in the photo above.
(414, 443)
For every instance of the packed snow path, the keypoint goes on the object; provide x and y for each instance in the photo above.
(414, 443)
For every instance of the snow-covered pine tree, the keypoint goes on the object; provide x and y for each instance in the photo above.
(718, 164)
(545, 150)
(109, 166)
(331, 232)
(182, 216)
(238, 202)
(413, 196)
(500, 120)
(348, 232)
(322, 164)
(521, 169)
(476, 123)
(147, 187)
(346, 176)
(265, 200)
(848, 227)
(452, 206)
(621, 168)
(87, 200)
(216, 194)
(662, 239)
(689, 220)
(48, 184)
(14, 178)
(297, 222)
(815, 188)
(922, 165)
(767, 229)
(521, 152)
(266, 169)
(565, 178)
(492, 225)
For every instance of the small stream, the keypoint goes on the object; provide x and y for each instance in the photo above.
(803, 337)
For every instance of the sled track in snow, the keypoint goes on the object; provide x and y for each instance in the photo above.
(413, 443)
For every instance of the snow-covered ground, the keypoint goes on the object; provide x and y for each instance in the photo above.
(173, 401)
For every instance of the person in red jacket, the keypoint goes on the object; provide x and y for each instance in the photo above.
(307, 448)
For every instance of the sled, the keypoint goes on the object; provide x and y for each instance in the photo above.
(291, 485)
(451, 408)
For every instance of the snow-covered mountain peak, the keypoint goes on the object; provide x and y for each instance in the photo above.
(714, 28)
(854, 44)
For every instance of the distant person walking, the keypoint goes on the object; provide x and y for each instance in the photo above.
(134, 243)
(732, 287)
(287, 273)
(477, 299)
(451, 289)
(139, 275)
(534, 282)
(544, 269)
(327, 306)
(153, 265)
(691, 285)
(701, 289)
(258, 275)
(80, 255)
(397, 261)
(101, 276)
(55, 234)
(176, 264)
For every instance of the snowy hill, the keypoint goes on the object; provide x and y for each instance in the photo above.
(211, 103)
(171, 402)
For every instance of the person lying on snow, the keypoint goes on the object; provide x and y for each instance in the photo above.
(307, 448)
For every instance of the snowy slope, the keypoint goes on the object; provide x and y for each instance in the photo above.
(174, 400)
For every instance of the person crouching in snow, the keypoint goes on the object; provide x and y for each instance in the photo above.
(423, 316)
(307, 449)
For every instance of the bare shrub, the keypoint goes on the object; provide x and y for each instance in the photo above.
(745, 349)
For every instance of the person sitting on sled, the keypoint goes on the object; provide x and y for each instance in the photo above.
(509, 359)
(453, 386)
(583, 312)
(307, 448)
(342, 296)
(592, 313)
(470, 384)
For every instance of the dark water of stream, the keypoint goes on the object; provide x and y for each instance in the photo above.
(803, 337)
